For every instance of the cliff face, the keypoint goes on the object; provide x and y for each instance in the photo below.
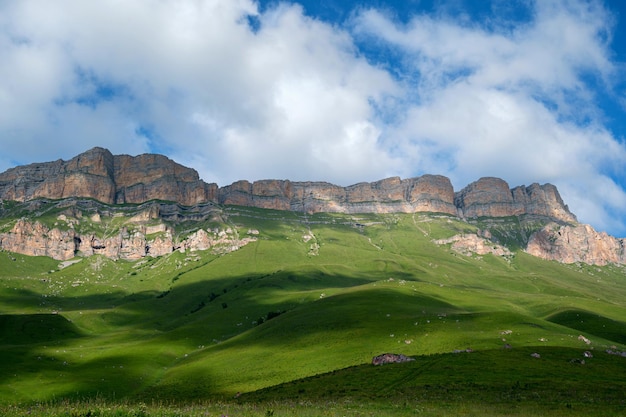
(491, 197)
(391, 195)
(576, 243)
(107, 178)
(119, 179)
(133, 242)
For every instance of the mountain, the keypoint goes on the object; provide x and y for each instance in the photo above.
(298, 313)
(155, 194)
(246, 296)
(107, 178)
(123, 179)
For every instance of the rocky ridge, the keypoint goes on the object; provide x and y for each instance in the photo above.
(111, 179)
(121, 179)
(182, 195)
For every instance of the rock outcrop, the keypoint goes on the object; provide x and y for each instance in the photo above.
(468, 244)
(129, 243)
(392, 195)
(491, 197)
(386, 358)
(107, 178)
(576, 243)
(119, 179)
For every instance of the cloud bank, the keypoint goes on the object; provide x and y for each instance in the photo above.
(242, 94)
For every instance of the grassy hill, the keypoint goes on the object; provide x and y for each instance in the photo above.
(298, 314)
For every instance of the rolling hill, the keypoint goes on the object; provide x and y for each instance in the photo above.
(287, 308)
(312, 296)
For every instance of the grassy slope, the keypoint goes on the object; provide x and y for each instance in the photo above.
(186, 326)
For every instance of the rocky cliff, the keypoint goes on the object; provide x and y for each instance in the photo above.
(118, 179)
(491, 197)
(576, 243)
(142, 233)
(107, 178)
(392, 195)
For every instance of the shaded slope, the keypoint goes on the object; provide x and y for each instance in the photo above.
(186, 326)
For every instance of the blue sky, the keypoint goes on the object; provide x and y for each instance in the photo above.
(338, 91)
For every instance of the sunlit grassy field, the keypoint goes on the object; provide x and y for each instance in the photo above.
(288, 325)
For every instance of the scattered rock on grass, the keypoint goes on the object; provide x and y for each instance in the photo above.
(390, 358)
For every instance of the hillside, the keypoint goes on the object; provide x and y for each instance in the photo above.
(167, 302)
(312, 294)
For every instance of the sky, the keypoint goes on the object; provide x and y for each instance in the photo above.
(338, 91)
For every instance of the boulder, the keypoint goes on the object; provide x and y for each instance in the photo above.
(390, 358)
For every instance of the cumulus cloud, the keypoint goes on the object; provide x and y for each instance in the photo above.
(514, 103)
(238, 93)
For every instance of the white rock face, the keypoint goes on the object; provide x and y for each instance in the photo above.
(578, 243)
(36, 239)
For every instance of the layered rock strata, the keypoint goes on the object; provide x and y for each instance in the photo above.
(576, 243)
(392, 195)
(491, 197)
(107, 178)
(119, 179)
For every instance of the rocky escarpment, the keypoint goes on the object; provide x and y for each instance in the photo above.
(119, 179)
(107, 178)
(134, 240)
(392, 195)
(491, 197)
(577, 243)
(487, 197)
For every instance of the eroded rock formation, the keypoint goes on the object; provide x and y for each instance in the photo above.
(468, 244)
(392, 195)
(131, 242)
(119, 179)
(491, 197)
(577, 243)
(107, 178)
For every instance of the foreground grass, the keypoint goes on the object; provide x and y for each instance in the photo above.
(327, 408)
(306, 409)
(559, 382)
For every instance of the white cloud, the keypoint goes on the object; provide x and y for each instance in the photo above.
(510, 103)
(295, 98)
(280, 102)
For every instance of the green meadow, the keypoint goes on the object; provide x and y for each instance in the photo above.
(288, 325)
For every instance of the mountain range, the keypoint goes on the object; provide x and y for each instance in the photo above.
(155, 193)
(130, 281)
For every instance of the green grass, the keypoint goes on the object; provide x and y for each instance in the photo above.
(184, 330)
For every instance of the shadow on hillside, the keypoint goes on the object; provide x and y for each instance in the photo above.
(191, 317)
(592, 324)
(28, 329)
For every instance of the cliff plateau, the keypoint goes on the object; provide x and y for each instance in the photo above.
(107, 178)
(168, 193)
(122, 179)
